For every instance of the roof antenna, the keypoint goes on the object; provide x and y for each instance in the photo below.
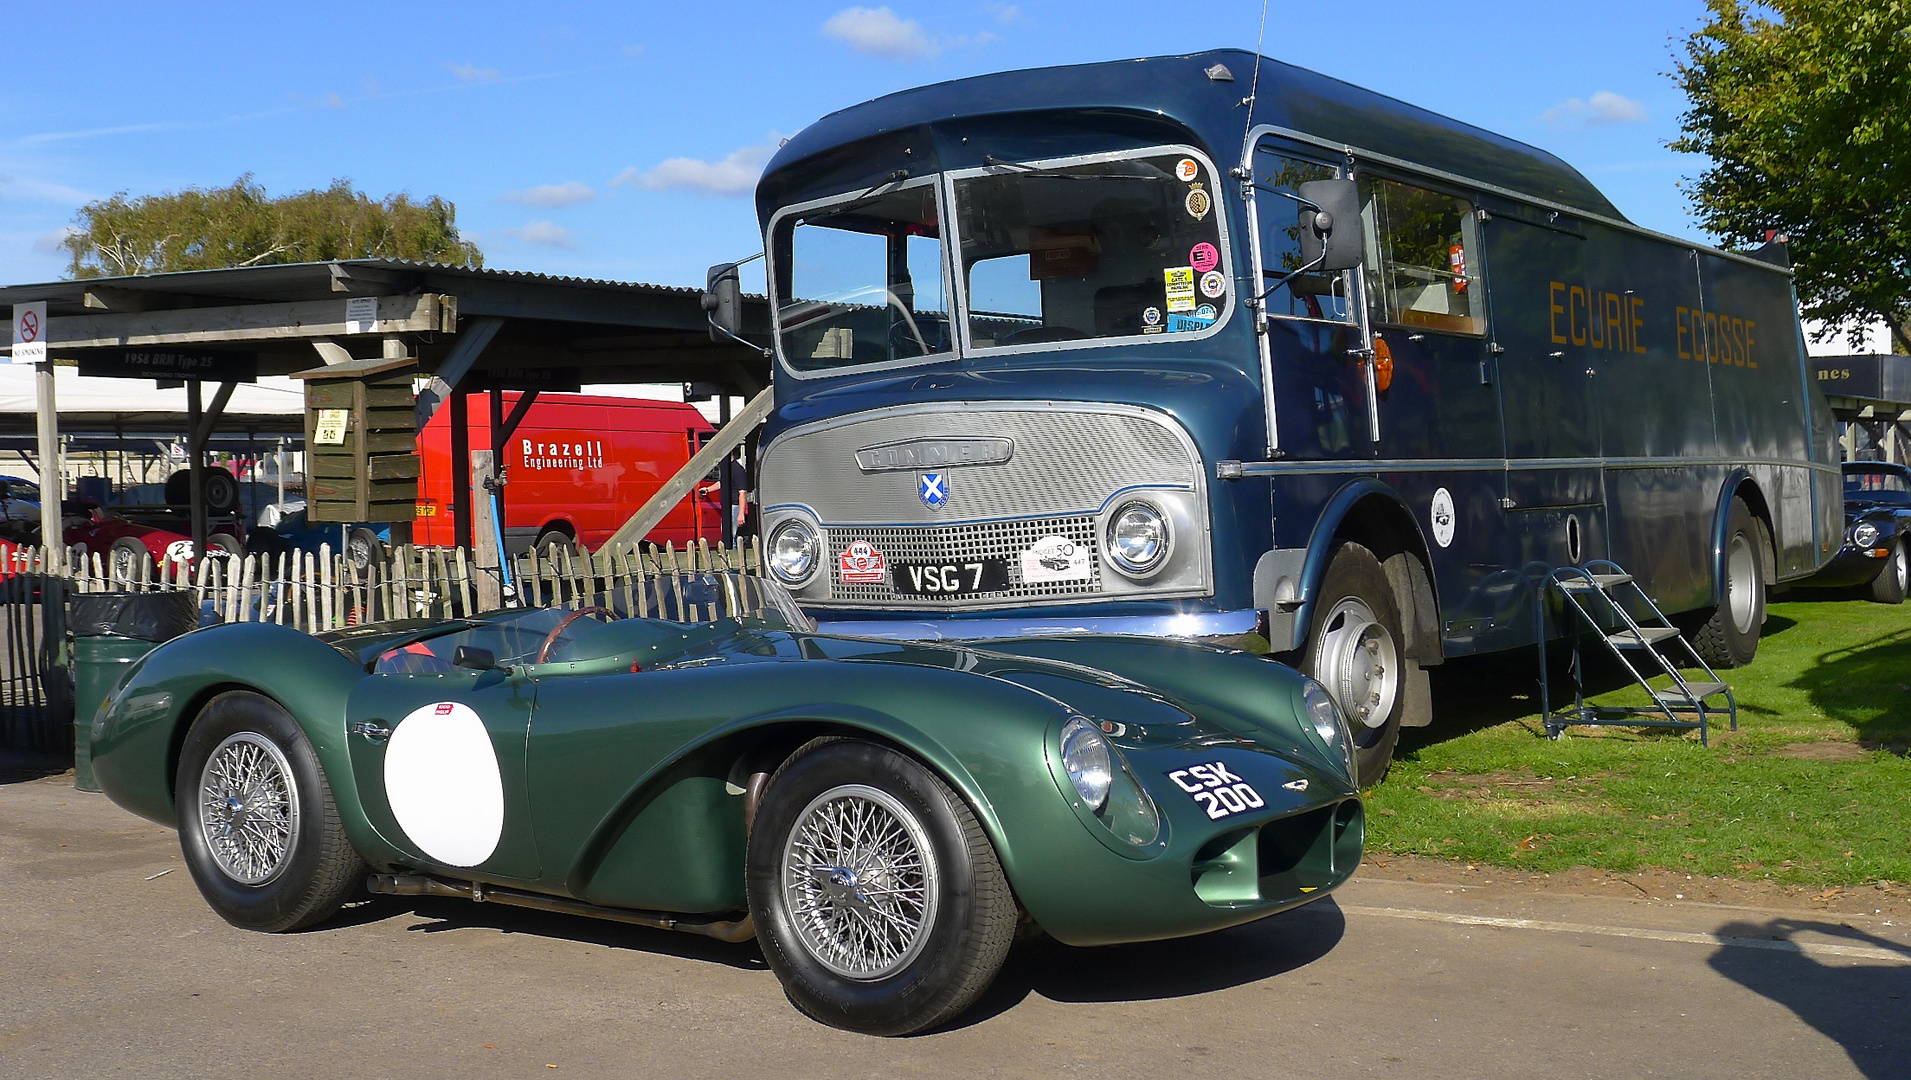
(1254, 87)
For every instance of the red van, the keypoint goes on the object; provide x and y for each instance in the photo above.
(577, 467)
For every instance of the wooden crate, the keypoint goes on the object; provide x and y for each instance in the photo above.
(372, 475)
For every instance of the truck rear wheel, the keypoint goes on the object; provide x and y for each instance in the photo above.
(1729, 638)
(1354, 643)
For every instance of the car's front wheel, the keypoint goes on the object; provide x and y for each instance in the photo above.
(1894, 578)
(257, 824)
(878, 899)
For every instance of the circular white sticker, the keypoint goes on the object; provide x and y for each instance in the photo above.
(443, 783)
(1150, 316)
(1186, 170)
(1213, 284)
(1442, 516)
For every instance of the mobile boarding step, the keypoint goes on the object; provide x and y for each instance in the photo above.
(1601, 600)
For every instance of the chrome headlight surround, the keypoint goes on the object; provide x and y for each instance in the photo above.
(1143, 516)
(1101, 787)
(794, 552)
(1865, 534)
(1324, 719)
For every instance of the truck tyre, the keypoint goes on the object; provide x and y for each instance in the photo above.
(1890, 586)
(221, 490)
(363, 548)
(1354, 644)
(1729, 638)
(878, 900)
(257, 825)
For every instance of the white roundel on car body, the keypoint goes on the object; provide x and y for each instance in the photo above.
(1441, 515)
(442, 780)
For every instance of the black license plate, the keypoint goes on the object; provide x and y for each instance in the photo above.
(949, 578)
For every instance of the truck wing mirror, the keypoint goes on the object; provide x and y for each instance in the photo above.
(722, 300)
(1330, 228)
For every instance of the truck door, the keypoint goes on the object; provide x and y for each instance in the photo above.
(1315, 389)
(1547, 321)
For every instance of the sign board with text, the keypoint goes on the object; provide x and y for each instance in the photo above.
(170, 364)
(29, 333)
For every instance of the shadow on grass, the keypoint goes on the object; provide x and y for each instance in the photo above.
(1474, 693)
(1867, 685)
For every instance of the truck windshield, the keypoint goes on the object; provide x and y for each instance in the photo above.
(860, 281)
(1099, 247)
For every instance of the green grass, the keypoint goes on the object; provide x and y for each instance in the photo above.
(1483, 783)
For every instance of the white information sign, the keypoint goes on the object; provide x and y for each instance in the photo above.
(361, 315)
(330, 429)
(29, 333)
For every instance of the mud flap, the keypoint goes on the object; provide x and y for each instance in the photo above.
(1417, 709)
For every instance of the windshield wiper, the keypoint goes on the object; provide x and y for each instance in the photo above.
(994, 162)
(869, 194)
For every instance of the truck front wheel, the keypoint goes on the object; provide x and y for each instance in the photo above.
(1354, 649)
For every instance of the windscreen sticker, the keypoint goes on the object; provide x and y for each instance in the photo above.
(1151, 316)
(862, 564)
(1054, 558)
(1213, 284)
(1180, 282)
(1442, 517)
(1186, 170)
(1204, 257)
(1198, 202)
(1219, 791)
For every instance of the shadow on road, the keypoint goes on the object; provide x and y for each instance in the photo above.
(1163, 969)
(1865, 1008)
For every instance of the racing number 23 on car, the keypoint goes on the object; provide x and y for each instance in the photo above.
(1219, 791)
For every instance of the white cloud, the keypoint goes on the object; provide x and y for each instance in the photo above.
(734, 175)
(40, 191)
(544, 233)
(568, 193)
(333, 101)
(49, 243)
(1004, 13)
(880, 32)
(1604, 107)
(473, 74)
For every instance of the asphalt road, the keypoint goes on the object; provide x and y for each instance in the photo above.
(108, 970)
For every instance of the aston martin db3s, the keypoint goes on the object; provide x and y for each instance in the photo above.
(882, 817)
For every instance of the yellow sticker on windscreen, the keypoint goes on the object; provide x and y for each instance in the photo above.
(1180, 283)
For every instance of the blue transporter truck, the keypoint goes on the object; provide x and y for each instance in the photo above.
(1214, 347)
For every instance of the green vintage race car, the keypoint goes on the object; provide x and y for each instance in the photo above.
(882, 817)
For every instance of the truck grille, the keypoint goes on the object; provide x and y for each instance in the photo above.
(965, 542)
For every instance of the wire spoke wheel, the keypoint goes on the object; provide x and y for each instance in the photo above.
(860, 877)
(249, 808)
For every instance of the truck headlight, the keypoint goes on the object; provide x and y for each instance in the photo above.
(1330, 724)
(1138, 538)
(794, 551)
(1864, 535)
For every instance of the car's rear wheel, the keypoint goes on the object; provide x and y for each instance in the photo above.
(363, 548)
(257, 824)
(1894, 578)
(126, 554)
(878, 899)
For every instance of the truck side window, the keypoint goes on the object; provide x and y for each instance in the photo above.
(1422, 257)
(1293, 296)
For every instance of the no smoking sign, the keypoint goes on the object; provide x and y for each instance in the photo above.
(29, 333)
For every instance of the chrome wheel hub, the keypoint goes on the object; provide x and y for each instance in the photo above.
(1741, 585)
(861, 882)
(249, 808)
(1359, 662)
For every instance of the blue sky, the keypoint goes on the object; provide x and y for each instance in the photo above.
(620, 141)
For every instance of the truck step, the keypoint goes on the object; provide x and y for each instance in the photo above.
(1602, 582)
(1651, 635)
(1700, 691)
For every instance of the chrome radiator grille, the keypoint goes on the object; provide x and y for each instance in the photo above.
(960, 543)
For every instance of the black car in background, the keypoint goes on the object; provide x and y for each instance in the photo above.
(1877, 528)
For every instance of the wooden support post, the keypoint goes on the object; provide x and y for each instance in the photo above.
(675, 488)
(485, 534)
(52, 483)
(460, 469)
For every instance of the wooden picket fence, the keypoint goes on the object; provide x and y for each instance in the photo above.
(325, 591)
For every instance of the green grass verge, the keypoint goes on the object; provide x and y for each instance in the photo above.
(1813, 789)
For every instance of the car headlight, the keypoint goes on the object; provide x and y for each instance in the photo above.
(1330, 724)
(794, 548)
(1089, 762)
(1138, 538)
(1864, 535)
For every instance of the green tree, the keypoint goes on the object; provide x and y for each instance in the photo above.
(1804, 107)
(203, 229)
